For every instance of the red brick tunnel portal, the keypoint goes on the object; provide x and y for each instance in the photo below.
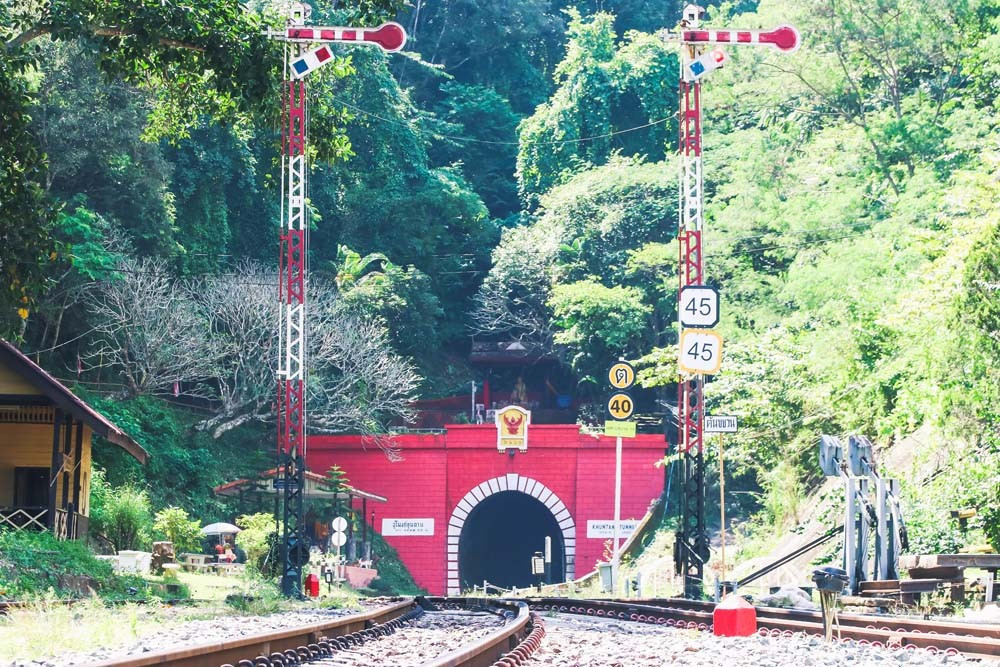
(459, 511)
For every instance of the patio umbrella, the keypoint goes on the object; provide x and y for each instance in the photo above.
(220, 529)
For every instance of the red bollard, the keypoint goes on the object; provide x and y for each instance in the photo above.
(734, 617)
(312, 586)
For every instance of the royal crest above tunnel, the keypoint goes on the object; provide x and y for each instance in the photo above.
(484, 513)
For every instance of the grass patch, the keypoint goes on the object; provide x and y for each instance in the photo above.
(46, 627)
(209, 587)
(393, 577)
(36, 564)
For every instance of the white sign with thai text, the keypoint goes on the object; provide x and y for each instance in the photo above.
(606, 529)
(721, 424)
(407, 527)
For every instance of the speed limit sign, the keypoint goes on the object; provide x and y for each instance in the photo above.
(699, 306)
(620, 406)
(701, 351)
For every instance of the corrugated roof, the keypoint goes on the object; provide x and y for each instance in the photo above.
(312, 486)
(67, 401)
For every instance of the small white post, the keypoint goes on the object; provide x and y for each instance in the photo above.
(881, 531)
(850, 535)
(618, 514)
(722, 510)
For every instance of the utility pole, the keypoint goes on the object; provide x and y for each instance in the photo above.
(294, 261)
(691, 548)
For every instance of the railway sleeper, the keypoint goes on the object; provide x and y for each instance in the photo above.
(327, 646)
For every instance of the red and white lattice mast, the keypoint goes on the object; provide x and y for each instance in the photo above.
(691, 550)
(294, 261)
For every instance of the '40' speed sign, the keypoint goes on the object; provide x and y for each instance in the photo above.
(700, 352)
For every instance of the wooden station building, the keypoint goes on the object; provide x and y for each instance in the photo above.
(45, 449)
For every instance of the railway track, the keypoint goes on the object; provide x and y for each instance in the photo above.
(972, 640)
(486, 632)
(348, 640)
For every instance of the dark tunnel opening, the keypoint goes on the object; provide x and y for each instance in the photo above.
(500, 536)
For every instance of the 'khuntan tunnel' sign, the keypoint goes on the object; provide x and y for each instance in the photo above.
(512, 428)
(407, 527)
(606, 529)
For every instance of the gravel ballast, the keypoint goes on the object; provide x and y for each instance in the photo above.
(580, 641)
(420, 641)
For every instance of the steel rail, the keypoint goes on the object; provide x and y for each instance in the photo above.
(973, 640)
(214, 654)
(880, 621)
(494, 647)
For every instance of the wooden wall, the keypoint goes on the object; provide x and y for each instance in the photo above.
(12, 383)
(30, 445)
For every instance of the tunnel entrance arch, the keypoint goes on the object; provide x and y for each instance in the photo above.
(469, 529)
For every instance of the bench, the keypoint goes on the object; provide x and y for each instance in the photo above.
(226, 569)
(196, 562)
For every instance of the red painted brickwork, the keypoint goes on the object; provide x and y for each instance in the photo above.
(437, 471)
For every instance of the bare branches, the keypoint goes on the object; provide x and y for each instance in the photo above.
(513, 299)
(217, 338)
(356, 382)
(241, 313)
(148, 329)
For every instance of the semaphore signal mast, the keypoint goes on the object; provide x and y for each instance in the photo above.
(294, 260)
(700, 349)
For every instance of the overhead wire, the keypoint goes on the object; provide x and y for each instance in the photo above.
(746, 252)
(472, 140)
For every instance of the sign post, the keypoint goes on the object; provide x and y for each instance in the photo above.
(618, 515)
(621, 376)
(722, 512)
(721, 424)
(338, 539)
(548, 559)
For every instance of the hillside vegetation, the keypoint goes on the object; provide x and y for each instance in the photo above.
(513, 176)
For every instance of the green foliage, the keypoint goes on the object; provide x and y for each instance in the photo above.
(506, 46)
(402, 297)
(969, 482)
(598, 321)
(598, 252)
(258, 539)
(991, 518)
(122, 515)
(185, 463)
(393, 577)
(111, 171)
(33, 562)
(485, 127)
(262, 597)
(610, 99)
(35, 565)
(173, 524)
(28, 213)
(335, 480)
(783, 494)
(981, 304)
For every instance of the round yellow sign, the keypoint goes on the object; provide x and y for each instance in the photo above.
(620, 406)
(621, 375)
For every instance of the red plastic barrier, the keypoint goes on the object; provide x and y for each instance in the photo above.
(734, 617)
(312, 586)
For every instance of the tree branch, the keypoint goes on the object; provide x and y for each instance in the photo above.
(43, 29)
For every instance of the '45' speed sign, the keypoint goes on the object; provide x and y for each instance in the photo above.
(699, 306)
(701, 351)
